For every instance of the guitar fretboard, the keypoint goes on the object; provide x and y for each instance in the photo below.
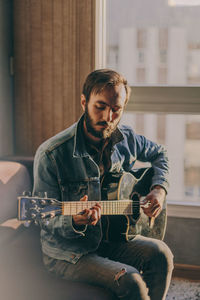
(119, 207)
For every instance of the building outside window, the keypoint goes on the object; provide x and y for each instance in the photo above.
(159, 46)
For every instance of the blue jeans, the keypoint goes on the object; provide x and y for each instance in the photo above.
(137, 270)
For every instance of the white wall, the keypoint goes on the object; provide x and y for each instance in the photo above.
(6, 87)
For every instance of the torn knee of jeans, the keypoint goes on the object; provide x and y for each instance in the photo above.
(119, 274)
(123, 291)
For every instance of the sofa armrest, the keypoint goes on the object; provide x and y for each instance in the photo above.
(14, 179)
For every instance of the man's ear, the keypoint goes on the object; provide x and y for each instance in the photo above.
(83, 102)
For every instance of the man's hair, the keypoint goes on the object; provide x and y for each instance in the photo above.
(101, 80)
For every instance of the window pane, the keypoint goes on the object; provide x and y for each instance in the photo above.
(181, 136)
(154, 42)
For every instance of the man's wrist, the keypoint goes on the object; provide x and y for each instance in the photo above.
(159, 187)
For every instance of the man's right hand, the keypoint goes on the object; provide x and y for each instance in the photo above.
(90, 216)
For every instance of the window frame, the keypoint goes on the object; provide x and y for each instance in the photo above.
(165, 99)
(157, 99)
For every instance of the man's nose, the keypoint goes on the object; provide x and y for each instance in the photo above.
(108, 115)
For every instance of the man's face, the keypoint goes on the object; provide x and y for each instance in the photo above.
(103, 112)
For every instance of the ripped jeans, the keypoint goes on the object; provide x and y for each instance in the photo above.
(137, 270)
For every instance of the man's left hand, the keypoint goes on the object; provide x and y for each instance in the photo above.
(155, 199)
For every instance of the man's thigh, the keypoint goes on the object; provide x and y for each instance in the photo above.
(89, 268)
(139, 252)
(93, 269)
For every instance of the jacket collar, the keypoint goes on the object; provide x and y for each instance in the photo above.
(79, 139)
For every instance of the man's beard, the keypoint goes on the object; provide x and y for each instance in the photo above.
(101, 134)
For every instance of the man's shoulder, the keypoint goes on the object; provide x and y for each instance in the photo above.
(126, 130)
(57, 140)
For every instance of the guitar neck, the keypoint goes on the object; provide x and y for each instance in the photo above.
(119, 207)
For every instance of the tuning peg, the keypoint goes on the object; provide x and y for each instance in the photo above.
(43, 202)
(39, 194)
(52, 201)
(27, 193)
(33, 216)
(42, 215)
(52, 215)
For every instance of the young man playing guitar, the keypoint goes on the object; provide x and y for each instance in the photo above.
(71, 166)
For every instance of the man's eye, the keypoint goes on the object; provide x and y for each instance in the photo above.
(100, 107)
(116, 109)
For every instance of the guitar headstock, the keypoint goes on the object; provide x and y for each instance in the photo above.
(36, 208)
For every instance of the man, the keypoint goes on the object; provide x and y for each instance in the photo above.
(70, 166)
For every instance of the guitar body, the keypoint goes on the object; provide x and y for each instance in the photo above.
(125, 227)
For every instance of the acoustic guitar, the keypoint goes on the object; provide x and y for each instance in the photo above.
(123, 195)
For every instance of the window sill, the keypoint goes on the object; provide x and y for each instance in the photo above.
(183, 210)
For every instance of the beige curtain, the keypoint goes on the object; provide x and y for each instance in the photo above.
(53, 52)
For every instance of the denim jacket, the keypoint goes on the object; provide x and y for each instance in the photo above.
(65, 171)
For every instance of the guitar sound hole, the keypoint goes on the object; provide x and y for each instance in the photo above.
(136, 206)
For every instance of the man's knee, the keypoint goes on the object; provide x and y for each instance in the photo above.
(162, 257)
(131, 286)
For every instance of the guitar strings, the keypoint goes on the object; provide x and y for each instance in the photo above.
(118, 207)
(122, 207)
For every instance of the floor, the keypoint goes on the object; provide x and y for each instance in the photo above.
(181, 289)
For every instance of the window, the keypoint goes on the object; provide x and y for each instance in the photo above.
(163, 38)
(166, 33)
(141, 38)
(181, 135)
(162, 75)
(141, 57)
(156, 45)
(140, 75)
